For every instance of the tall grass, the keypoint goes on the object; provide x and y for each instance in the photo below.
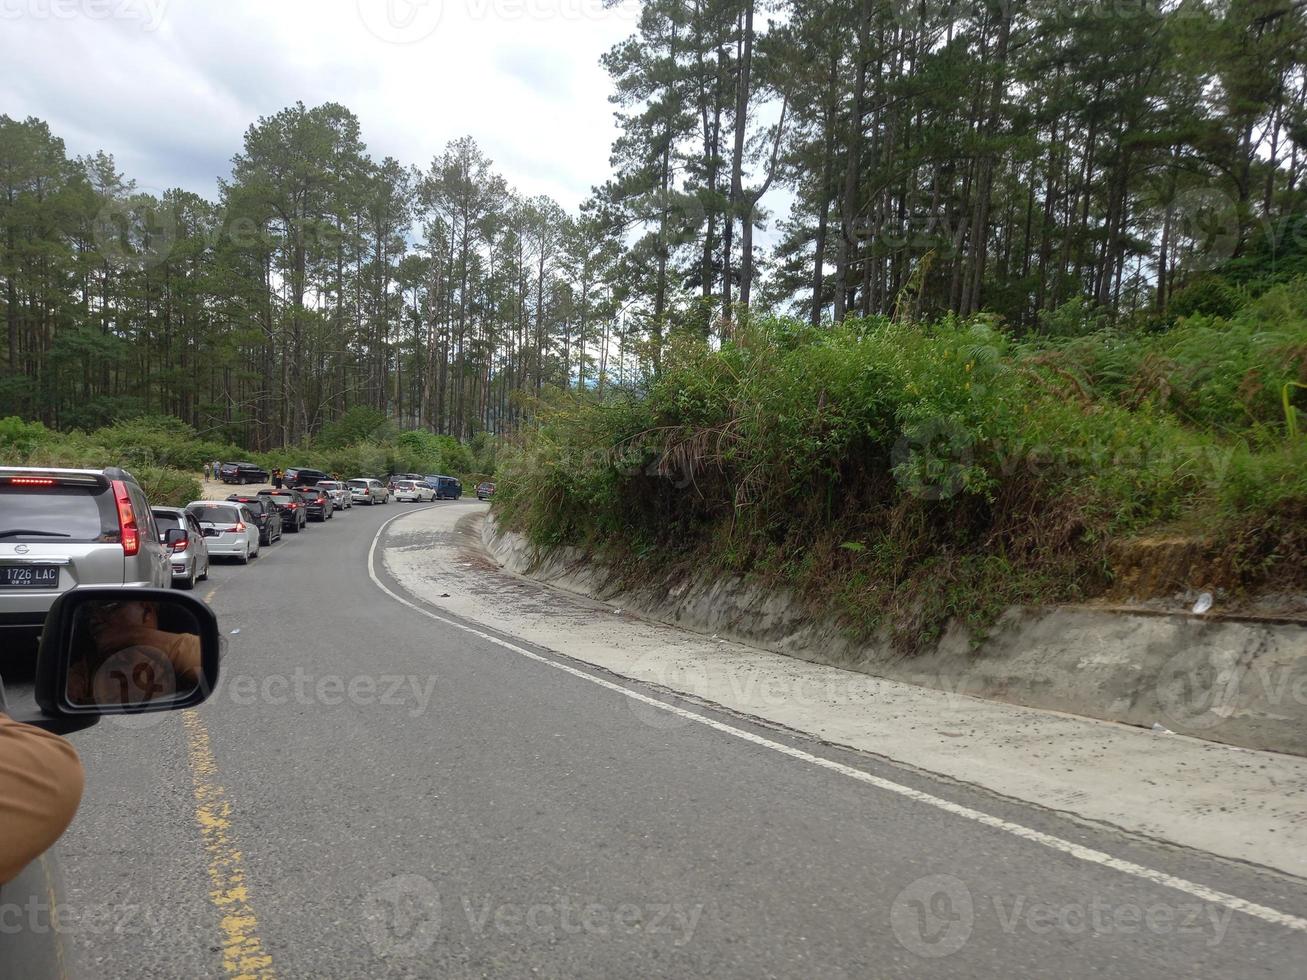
(901, 476)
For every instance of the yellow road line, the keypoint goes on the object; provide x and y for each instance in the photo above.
(242, 955)
(54, 919)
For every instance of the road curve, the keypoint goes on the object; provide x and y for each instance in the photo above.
(374, 792)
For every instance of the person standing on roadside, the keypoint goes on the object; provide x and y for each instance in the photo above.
(278, 478)
(207, 469)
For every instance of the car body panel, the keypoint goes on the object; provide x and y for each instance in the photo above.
(366, 490)
(79, 502)
(265, 512)
(241, 473)
(303, 476)
(191, 562)
(413, 490)
(341, 498)
(292, 506)
(445, 487)
(223, 535)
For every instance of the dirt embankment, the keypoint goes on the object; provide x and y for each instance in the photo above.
(1238, 678)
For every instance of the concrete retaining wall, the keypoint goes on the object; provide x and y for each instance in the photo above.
(1242, 682)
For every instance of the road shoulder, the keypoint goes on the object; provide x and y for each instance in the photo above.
(1236, 803)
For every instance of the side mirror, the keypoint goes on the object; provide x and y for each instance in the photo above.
(113, 651)
(175, 534)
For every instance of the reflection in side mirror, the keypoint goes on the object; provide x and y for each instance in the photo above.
(124, 650)
(175, 534)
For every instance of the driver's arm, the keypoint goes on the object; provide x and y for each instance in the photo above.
(40, 787)
(183, 650)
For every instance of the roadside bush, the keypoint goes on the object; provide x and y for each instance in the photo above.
(902, 476)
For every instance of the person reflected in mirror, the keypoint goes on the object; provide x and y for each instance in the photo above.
(131, 659)
(41, 782)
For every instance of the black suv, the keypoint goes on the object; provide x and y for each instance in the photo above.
(242, 473)
(302, 476)
(265, 513)
(292, 506)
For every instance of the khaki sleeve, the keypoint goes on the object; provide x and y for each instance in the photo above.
(40, 787)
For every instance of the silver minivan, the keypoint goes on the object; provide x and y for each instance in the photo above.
(230, 529)
(61, 528)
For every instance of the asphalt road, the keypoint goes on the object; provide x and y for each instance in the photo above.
(376, 792)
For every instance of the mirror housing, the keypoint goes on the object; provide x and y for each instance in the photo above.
(66, 629)
(175, 534)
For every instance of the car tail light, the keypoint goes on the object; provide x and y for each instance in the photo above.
(127, 528)
(293, 506)
(238, 527)
(180, 545)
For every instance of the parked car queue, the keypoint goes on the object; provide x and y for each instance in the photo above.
(242, 524)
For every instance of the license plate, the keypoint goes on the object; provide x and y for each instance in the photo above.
(29, 576)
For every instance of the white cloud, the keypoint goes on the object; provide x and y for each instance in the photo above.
(169, 87)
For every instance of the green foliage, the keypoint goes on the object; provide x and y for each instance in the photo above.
(19, 439)
(357, 424)
(167, 456)
(905, 475)
(1211, 295)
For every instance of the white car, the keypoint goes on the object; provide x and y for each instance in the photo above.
(365, 491)
(341, 498)
(414, 491)
(230, 529)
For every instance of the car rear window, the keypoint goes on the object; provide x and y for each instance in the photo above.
(167, 521)
(216, 515)
(255, 504)
(358, 483)
(329, 485)
(57, 513)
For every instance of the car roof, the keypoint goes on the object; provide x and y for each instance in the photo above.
(109, 472)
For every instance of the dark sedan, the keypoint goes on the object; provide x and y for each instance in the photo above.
(265, 512)
(293, 507)
(318, 501)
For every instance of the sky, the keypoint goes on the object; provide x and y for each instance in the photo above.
(168, 87)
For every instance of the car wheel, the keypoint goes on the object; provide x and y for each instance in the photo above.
(205, 576)
(189, 581)
(245, 558)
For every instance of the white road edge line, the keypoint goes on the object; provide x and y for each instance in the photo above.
(1088, 854)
